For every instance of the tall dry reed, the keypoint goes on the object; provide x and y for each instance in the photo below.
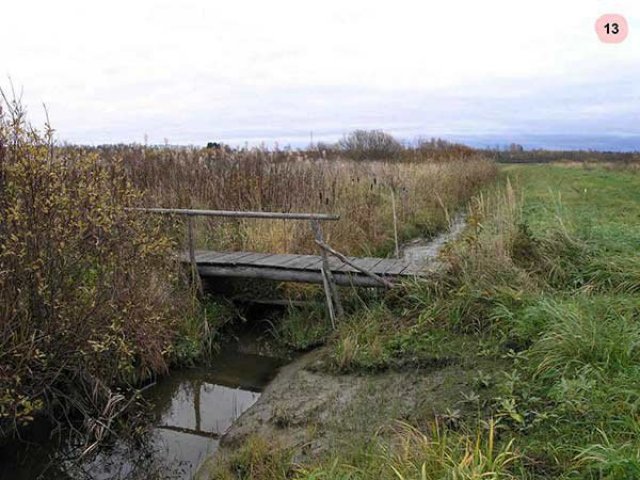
(426, 193)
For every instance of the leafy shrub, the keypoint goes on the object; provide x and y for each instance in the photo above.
(87, 288)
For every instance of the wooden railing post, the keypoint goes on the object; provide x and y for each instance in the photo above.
(395, 222)
(329, 283)
(195, 275)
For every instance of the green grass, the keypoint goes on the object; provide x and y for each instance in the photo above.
(197, 337)
(575, 385)
(303, 328)
(545, 281)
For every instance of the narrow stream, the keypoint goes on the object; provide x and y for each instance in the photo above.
(193, 408)
(422, 250)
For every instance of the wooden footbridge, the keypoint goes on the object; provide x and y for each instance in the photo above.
(303, 268)
(329, 267)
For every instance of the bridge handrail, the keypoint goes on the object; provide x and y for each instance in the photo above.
(329, 284)
(240, 214)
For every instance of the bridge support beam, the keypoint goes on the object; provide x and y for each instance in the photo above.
(328, 282)
(283, 275)
(195, 278)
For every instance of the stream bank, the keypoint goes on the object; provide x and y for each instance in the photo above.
(309, 410)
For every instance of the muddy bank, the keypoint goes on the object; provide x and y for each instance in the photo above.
(312, 412)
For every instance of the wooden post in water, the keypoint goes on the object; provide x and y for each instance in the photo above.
(195, 276)
(330, 289)
(196, 405)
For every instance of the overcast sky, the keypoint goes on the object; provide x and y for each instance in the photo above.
(192, 71)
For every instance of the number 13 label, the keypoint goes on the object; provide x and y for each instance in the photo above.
(612, 28)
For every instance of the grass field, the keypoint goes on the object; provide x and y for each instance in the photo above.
(546, 284)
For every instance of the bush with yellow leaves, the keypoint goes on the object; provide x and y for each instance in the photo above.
(87, 288)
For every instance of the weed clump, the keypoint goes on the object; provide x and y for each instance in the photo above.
(255, 459)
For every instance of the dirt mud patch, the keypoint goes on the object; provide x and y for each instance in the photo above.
(311, 412)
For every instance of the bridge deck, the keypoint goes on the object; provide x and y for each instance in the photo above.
(302, 268)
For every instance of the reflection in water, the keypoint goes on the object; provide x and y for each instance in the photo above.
(198, 415)
(215, 408)
(192, 410)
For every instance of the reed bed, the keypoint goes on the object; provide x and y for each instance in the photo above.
(426, 194)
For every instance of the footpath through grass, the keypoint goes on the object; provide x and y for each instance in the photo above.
(544, 288)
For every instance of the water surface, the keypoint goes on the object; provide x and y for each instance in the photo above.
(192, 409)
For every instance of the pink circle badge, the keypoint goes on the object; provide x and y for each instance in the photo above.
(612, 28)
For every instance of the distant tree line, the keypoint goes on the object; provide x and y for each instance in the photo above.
(360, 145)
(547, 156)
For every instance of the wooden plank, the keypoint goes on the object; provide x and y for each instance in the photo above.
(234, 258)
(400, 267)
(209, 256)
(305, 262)
(190, 212)
(335, 264)
(380, 266)
(309, 262)
(214, 257)
(314, 265)
(243, 257)
(368, 263)
(384, 267)
(251, 258)
(204, 254)
(345, 267)
(274, 260)
(295, 260)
